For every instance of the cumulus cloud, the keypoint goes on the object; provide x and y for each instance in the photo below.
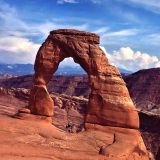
(14, 46)
(128, 59)
(17, 50)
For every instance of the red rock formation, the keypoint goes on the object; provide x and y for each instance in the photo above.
(72, 109)
(109, 101)
(31, 140)
(70, 85)
(9, 103)
(144, 89)
(110, 110)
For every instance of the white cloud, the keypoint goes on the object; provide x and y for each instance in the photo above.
(69, 62)
(122, 33)
(12, 24)
(45, 28)
(9, 19)
(66, 1)
(15, 46)
(78, 1)
(101, 30)
(17, 50)
(127, 59)
(119, 38)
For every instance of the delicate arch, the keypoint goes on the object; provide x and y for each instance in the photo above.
(109, 101)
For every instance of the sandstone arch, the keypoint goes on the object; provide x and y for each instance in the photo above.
(109, 101)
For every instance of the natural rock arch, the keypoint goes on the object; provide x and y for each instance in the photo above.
(109, 100)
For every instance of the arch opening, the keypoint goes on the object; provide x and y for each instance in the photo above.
(69, 67)
(114, 107)
(70, 97)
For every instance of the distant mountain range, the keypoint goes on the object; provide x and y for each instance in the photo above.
(23, 69)
(18, 69)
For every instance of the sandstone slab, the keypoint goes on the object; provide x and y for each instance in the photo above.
(42, 141)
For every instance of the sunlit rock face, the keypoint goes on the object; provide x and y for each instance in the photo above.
(109, 100)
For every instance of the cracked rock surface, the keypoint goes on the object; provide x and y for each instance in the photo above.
(22, 140)
(36, 139)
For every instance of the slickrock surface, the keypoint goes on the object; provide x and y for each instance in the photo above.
(22, 139)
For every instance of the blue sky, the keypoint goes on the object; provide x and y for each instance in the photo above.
(129, 30)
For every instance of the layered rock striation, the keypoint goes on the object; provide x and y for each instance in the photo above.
(62, 84)
(109, 100)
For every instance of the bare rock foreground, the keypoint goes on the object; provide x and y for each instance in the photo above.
(39, 140)
(111, 121)
(22, 139)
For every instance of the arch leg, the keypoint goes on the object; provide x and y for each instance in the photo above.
(45, 65)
